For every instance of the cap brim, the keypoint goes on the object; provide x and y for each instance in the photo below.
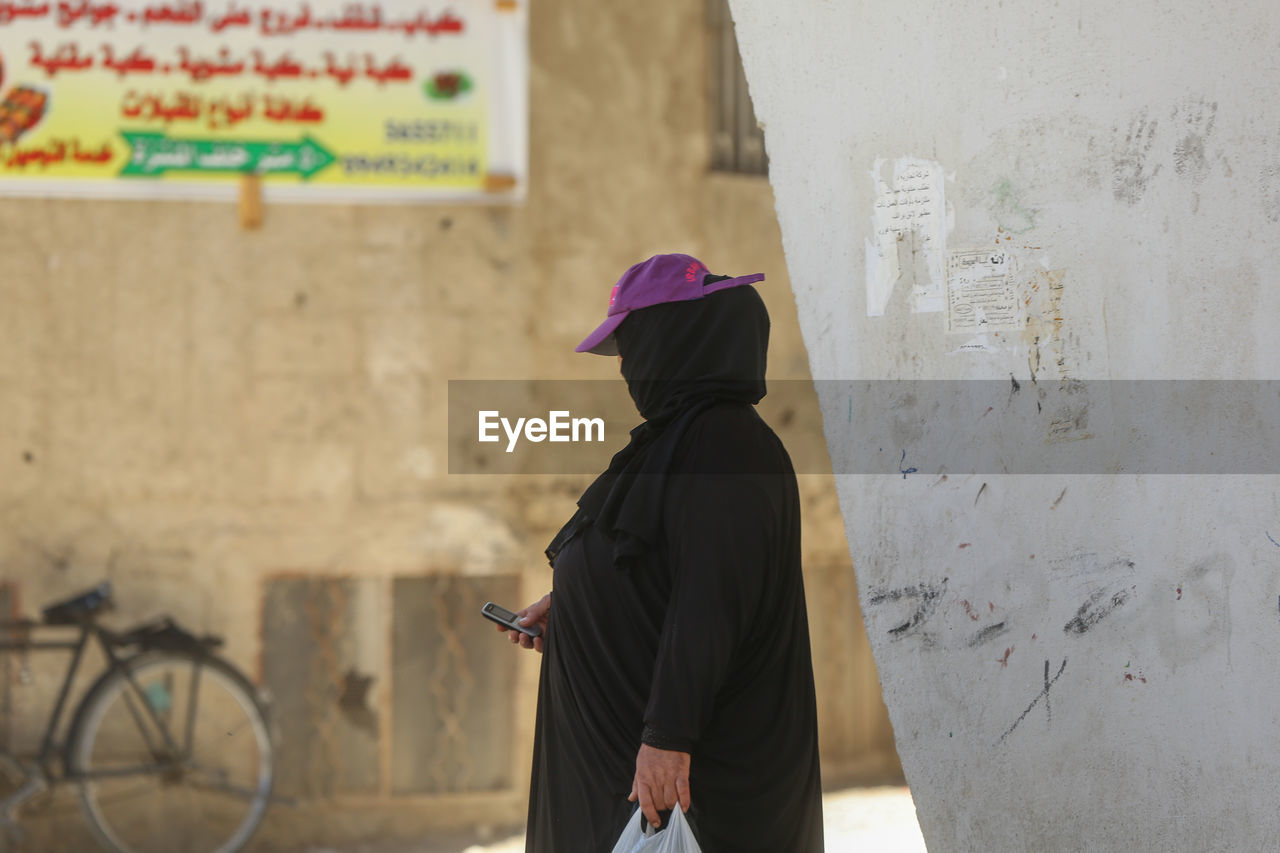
(601, 341)
(732, 282)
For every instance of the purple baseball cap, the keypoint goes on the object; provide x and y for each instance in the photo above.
(662, 278)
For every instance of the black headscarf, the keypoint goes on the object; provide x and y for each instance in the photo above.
(679, 359)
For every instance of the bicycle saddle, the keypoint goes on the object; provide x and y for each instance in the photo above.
(75, 609)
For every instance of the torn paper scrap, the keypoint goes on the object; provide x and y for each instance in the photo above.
(882, 274)
(909, 206)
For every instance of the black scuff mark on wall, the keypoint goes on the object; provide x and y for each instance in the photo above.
(988, 633)
(1048, 709)
(1099, 606)
(926, 596)
(1043, 694)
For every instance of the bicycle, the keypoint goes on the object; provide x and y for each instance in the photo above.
(170, 739)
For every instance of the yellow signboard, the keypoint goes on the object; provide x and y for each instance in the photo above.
(324, 100)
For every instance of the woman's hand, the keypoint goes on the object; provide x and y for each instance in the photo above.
(534, 614)
(661, 781)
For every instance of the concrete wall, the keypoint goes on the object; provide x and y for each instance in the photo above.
(1073, 662)
(246, 429)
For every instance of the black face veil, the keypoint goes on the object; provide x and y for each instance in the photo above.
(679, 359)
(678, 353)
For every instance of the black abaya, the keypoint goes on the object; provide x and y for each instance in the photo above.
(700, 644)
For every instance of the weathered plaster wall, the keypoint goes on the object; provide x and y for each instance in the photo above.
(1078, 662)
(207, 415)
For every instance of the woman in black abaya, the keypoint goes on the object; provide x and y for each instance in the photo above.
(676, 666)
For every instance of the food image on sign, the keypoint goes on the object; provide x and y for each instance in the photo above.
(321, 98)
(21, 109)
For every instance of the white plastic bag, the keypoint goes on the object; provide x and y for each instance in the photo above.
(675, 837)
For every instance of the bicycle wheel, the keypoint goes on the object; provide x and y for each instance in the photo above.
(176, 758)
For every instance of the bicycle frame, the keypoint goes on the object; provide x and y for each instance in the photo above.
(16, 636)
(137, 723)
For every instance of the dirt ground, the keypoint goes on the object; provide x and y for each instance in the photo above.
(855, 819)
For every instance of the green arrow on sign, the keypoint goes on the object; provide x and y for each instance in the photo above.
(154, 154)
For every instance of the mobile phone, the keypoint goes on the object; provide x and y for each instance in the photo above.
(506, 618)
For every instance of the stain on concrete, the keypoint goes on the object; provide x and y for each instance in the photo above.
(1194, 120)
(354, 701)
(1132, 169)
(1269, 184)
(1081, 563)
(1009, 210)
(1069, 418)
(1044, 329)
(1201, 296)
(1200, 625)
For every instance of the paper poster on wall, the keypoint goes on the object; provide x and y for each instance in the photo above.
(324, 99)
(910, 211)
(981, 296)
